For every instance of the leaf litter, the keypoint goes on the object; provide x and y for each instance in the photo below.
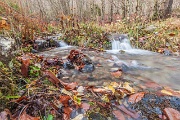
(47, 96)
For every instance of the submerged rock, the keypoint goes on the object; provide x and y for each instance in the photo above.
(68, 65)
(88, 68)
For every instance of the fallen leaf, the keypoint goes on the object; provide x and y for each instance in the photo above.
(70, 86)
(172, 114)
(169, 91)
(4, 115)
(25, 116)
(133, 114)
(52, 77)
(64, 99)
(114, 84)
(109, 87)
(67, 111)
(80, 90)
(77, 99)
(99, 90)
(117, 74)
(118, 115)
(105, 98)
(128, 87)
(172, 34)
(64, 91)
(85, 106)
(152, 85)
(136, 97)
(166, 92)
(25, 66)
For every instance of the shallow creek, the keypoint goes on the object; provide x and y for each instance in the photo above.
(139, 68)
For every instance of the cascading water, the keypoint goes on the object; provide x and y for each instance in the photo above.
(62, 44)
(122, 43)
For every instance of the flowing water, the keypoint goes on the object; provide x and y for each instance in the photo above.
(138, 65)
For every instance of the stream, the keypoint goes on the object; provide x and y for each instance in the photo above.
(139, 66)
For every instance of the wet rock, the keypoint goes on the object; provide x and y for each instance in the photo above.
(122, 66)
(34, 51)
(96, 116)
(111, 64)
(41, 44)
(150, 28)
(68, 65)
(76, 112)
(88, 68)
(167, 52)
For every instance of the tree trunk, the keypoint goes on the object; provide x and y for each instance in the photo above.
(166, 8)
(111, 10)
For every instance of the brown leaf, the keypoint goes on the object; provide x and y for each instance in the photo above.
(25, 116)
(172, 114)
(52, 77)
(64, 99)
(172, 34)
(152, 85)
(118, 115)
(20, 99)
(85, 106)
(67, 112)
(99, 90)
(25, 66)
(70, 86)
(136, 97)
(117, 74)
(133, 114)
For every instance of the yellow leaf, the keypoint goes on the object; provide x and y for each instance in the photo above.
(3, 22)
(166, 92)
(77, 99)
(105, 98)
(114, 84)
(128, 87)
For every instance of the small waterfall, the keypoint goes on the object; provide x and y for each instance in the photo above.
(62, 44)
(122, 44)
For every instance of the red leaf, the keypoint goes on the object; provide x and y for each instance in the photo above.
(118, 115)
(99, 90)
(52, 77)
(25, 66)
(21, 98)
(133, 114)
(172, 114)
(70, 86)
(152, 85)
(67, 112)
(117, 74)
(64, 99)
(136, 97)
